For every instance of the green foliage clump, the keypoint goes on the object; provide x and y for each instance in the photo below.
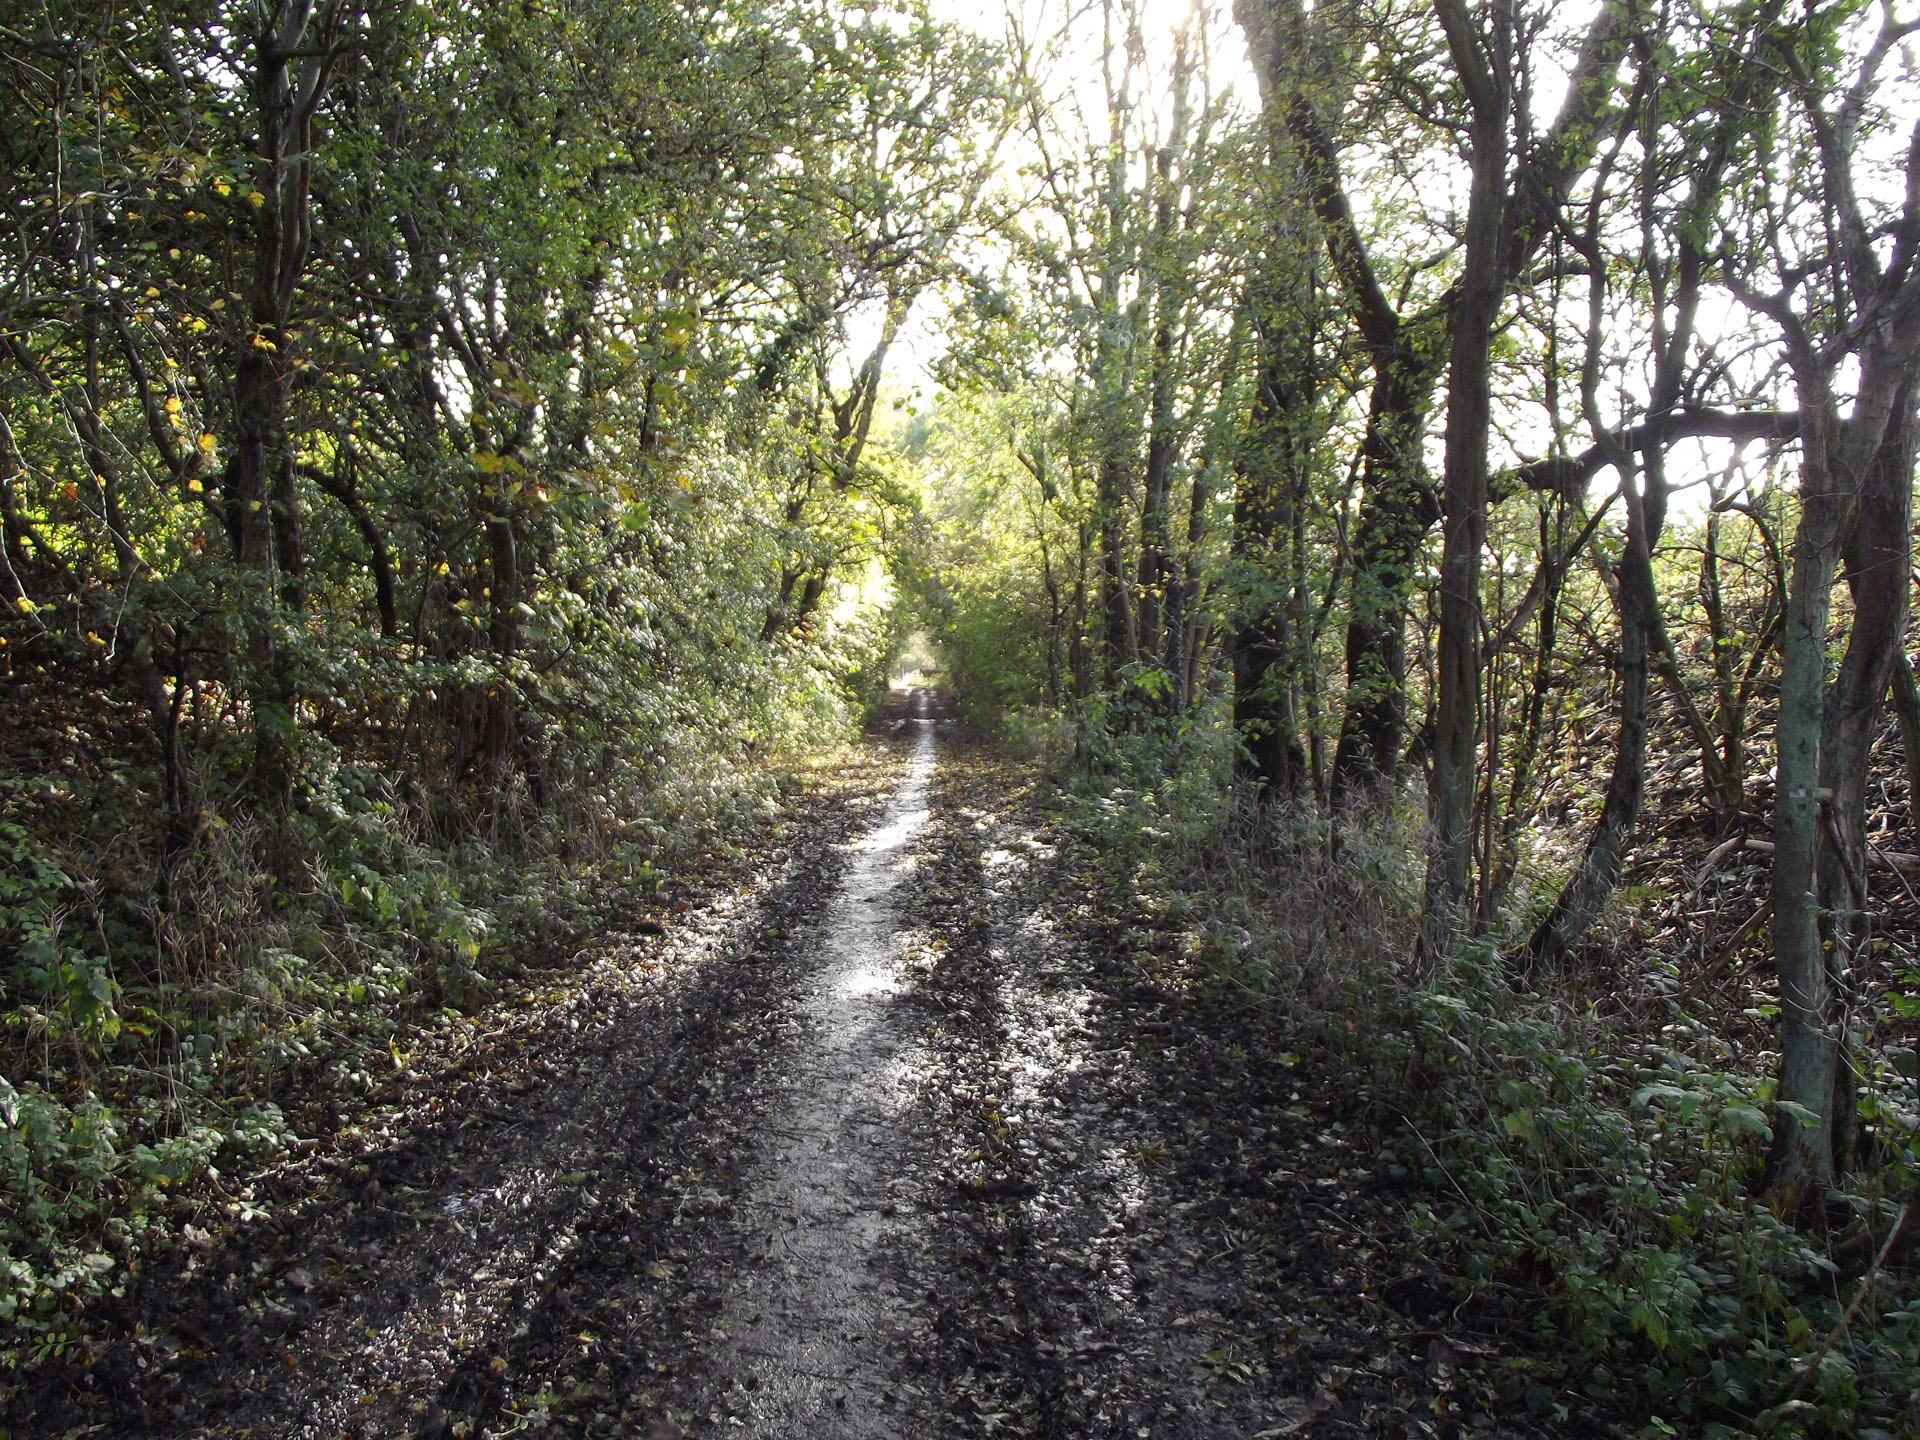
(1618, 1193)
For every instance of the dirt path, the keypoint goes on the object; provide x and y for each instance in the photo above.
(1154, 1220)
(812, 1318)
(890, 1139)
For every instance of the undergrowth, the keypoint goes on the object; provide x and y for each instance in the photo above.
(1588, 1174)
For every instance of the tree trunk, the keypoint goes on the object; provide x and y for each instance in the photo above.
(1482, 64)
(1878, 551)
(1533, 726)
(1116, 608)
(1801, 1168)
(1582, 899)
(1079, 665)
(1157, 574)
(1273, 466)
(499, 731)
(341, 486)
(1906, 706)
(293, 60)
(1191, 581)
(1397, 509)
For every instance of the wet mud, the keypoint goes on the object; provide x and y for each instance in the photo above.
(907, 1133)
(813, 1316)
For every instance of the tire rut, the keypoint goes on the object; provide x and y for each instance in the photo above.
(815, 1317)
(505, 1255)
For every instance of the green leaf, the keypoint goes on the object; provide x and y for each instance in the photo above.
(1808, 1120)
(1648, 1093)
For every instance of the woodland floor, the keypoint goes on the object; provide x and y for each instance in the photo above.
(893, 1132)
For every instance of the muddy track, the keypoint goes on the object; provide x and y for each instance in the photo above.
(532, 1238)
(1155, 1219)
(901, 1137)
(812, 1321)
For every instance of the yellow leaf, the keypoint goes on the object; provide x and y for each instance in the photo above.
(256, 199)
(25, 606)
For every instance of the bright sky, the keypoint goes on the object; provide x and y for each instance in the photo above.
(1074, 79)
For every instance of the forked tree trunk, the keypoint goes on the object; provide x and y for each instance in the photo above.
(1854, 481)
(1854, 478)
(1869, 333)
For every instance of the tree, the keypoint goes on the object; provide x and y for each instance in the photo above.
(1848, 315)
(1687, 122)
